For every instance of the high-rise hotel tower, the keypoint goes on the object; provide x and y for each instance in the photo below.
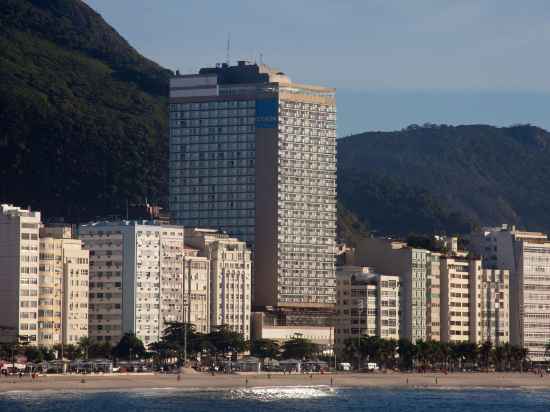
(254, 154)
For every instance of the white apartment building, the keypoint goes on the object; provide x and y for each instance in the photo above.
(527, 256)
(230, 277)
(196, 287)
(490, 307)
(367, 304)
(136, 276)
(63, 287)
(19, 278)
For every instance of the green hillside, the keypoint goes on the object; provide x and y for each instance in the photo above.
(82, 115)
(445, 178)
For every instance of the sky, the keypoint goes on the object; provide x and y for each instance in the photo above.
(393, 62)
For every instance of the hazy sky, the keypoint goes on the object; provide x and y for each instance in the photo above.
(393, 62)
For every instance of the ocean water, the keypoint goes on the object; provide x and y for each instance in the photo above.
(304, 399)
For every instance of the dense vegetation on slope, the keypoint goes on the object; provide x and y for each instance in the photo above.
(82, 115)
(445, 178)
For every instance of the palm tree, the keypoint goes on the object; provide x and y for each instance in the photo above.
(507, 350)
(518, 355)
(485, 354)
(498, 355)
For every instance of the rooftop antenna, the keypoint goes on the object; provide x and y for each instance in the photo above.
(261, 58)
(228, 50)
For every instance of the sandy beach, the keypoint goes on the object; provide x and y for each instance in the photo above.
(202, 381)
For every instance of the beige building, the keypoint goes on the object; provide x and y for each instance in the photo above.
(265, 326)
(490, 307)
(433, 298)
(196, 287)
(456, 272)
(527, 256)
(254, 154)
(413, 266)
(63, 287)
(136, 278)
(367, 304)
(19, 264)
(230, 277)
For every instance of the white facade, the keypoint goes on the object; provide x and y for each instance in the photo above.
(527, 256)
(196, 290)
(136, 278)
(490, 308)
(19, 272)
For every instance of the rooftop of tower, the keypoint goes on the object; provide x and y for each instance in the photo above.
(246, 72)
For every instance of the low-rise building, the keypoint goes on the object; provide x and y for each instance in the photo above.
(265, 326)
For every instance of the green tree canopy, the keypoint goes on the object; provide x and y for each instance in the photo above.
(265, 348)
(299, 348)
(130, 347)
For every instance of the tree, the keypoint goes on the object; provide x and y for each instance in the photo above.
(224, 340)
(265, 348)
(100, 350)
(498, 355)
(406, 352)
(84, 345)
(183, 336)
(130, 347)
(518, 356)
(299, 348)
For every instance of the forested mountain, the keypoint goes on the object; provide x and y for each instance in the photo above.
(445, 178)
(82, 115)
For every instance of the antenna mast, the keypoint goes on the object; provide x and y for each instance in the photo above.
(228, 50)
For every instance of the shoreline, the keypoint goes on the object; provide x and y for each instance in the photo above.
(201, 382)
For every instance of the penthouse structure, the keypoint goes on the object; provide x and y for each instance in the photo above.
(527, 256)
(367, 304)
(230, 277)
(254, 154)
